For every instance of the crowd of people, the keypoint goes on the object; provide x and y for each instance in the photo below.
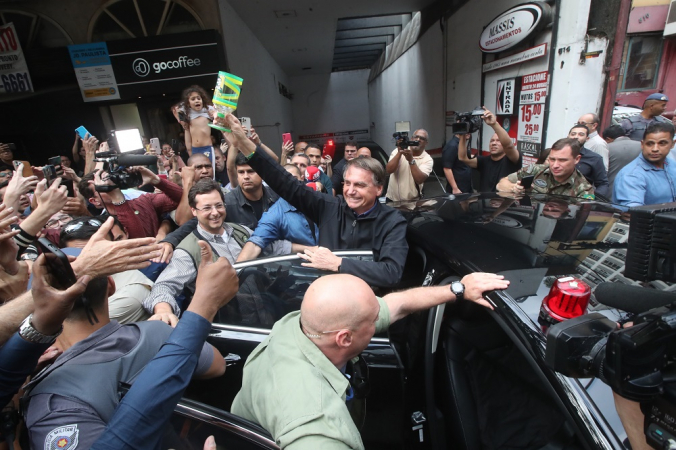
(125, 280)
(630, 163)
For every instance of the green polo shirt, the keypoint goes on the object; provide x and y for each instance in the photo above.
(293, 391)
(544, 183)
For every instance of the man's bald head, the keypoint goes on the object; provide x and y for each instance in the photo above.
(364, 151)
(325, 306)
(202, 165)
(198, 158)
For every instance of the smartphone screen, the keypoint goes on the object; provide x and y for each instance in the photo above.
(527, 181)
(286, 138)
(54, 161)
(82, 132)
(49, 172)
(58, 264)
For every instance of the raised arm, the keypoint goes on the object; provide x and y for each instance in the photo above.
(510, 150)
(462, 153)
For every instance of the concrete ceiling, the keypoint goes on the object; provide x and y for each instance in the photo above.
(301, 34)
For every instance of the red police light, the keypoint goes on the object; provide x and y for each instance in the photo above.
(568, 298)
(330, 142)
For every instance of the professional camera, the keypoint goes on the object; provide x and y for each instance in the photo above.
(637, 362)
(468, 122)
(402, 140)
(116, 165)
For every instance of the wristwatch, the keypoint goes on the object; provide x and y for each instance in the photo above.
(30, 334)
(412, 162)
(458, 289)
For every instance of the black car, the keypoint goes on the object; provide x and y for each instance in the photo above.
(459, 375)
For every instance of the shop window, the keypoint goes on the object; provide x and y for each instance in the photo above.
(34, 30)
(642, 63)
(124, 19)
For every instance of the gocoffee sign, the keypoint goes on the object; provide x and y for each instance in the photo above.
(513, 26)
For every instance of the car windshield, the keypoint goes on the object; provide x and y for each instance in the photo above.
(532, 241)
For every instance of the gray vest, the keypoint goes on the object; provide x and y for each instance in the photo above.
(85, 375)
(639, 126)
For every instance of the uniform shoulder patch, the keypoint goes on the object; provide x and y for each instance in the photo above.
(62, 438)
(540, 183)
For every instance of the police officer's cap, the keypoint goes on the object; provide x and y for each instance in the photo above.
(658, 96)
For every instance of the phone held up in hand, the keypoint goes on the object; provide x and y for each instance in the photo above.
(527, 181)
(246, 122)
(82, 132)
(58, 264)
(286, 138)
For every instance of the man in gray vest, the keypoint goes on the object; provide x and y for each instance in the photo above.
(207, 204)
(653, 107)
(71, 401)
(622, 151)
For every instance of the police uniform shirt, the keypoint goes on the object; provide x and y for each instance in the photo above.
(544, 183)
(59, 422)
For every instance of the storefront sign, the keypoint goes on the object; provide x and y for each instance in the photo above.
(513, 26)
(163, 64)
(533, 88)
(506, 96)
(14, 76)
(526, 55)
(94, 72)
(531, 119)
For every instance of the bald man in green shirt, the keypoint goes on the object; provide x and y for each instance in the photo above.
(294, 384)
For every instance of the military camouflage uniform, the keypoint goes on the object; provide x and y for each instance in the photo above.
(544, 182)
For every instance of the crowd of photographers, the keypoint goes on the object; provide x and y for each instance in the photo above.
(99, 260)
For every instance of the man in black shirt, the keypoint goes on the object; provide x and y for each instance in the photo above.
(338, 169)
(503, 160)
(590, 164)
(458, 174)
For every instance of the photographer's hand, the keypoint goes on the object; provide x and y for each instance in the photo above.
(147, 175)
(489, 117)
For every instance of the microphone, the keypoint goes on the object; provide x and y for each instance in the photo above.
(633, 299)
(136, 160)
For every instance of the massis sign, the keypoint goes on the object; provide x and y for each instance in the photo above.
(513, 26)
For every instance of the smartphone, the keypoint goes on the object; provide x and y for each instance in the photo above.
(181, 116)
(69, 187)
(58, 264)
(175, 145)
(27, 169)
(286, 138)
(246, 122)
(49, 172)
(155, 145)
(54, 161)
(527, 181)
(82, 132)
(223, 142)
(12, 146)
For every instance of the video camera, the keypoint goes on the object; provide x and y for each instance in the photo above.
(638, 362)
(402, 140)
(468, 122)
(125, 146)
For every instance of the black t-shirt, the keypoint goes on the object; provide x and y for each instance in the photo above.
(257, 207)
(492, 171)
(222, 177)
(461, 171)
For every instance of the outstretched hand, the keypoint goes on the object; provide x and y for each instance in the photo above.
(101, 257)
(478, 283)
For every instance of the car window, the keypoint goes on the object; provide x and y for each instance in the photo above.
(270, 288)
(190, 427)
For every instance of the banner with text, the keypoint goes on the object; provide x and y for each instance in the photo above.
(14, 76)
(531, 120)
(94, 72)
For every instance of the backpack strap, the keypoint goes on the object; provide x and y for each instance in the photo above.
(239, 233)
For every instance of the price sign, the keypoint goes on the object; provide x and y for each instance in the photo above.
(531, 119)
(14, 75)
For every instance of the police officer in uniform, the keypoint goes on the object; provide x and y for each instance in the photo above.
(558, 177)
(653, 107)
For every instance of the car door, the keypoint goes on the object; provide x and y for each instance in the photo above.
(192, 422)
(269, 289)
